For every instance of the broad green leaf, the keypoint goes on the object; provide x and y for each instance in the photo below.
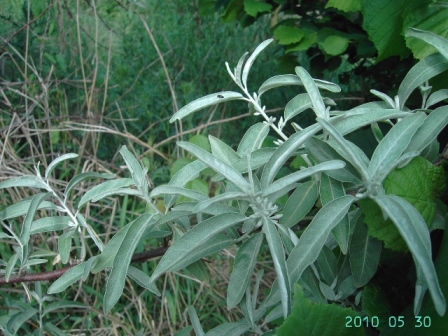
(393, 144)
(203, 102)
(288, 34)
(334, 45)
(253, 139)
(365, 254)
(104, 189)
(301, 174)
(253, 7)
(414, 231)
(73, 275)
(59, 159)
(251, 60)
(142, 279)
(322, 152)
(29, 181)
(436, 97)
(137, 172)
(299, 203)
(245, 261)
(63, 304)
(278, 257)
(438, 42)
(285, 80)
(222, 151)
(196, 243)
(231, 328)
(26, 227)
(65, 244)
(117, 278)
(420, 183)
(227, 196)
(284, 152)
(312, 240)
(313, 92)
(431, 128)
(421, 72)
(48, 224)
(383, 22)
(21, 208)
(195, 321)
(17, 320)
(84, 176)
(172, 190)
(323, 319)
(345, 5)
(217, 165)
(376, 303)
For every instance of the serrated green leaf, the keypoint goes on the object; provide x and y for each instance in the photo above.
(253, 7)
(414, 231)
(284, 80)
(59, 159)
(288, 34)
(253, 139)
(104, 189)
(365, 254)
(84, 176)
(334, 45)
(245, 261)
(345, 5)
(317, 318)
(117, 278)
(203, 102)
(299, 203)
(201, 240)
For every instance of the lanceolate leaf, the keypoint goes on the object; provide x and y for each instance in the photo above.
(278, 257)
(245, 261)
(438, 42)
(104, 189)
(284, 80)
(299, 203)
(61, 158)
(297, 105)
(198, 237)
(137, 172)
(233, 328)
(84, 176)
(115, 284)
(217, 165)
(220, 198)
(311, 88)
(414, 231)
(222, 150)
(203, 102)
(70, 277)
(142, 279)
(29, 181)
(253, 138)
(21, 208)
(251, 60)
(48, 224)
(172, 190)
(26, 228)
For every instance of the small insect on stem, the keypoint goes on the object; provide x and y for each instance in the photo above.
(220, 96)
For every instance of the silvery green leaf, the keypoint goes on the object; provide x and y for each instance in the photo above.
(432, 126)
(278, 257)
(195, 321)
(351, 155)
(137, 172)
(389, 101)
(328, 264)
(438, 42)
(346, 288)
(142, 279)
(377, 133)
(300, 103)
(327, 291)
(59, 159)
(172, 190)
(365, 252)
(17, 320)
(299, 203)
(436, 97)
(421, 72)
(414, 231)
(117, 278)
(312, 240)
(48, 224)
(257, 158)
(82, 177)
(394, 143)
(227, 196)
(73, 275)
(231, 329)
(105, 189)
(21, 208)
(203, 102)
(251, 60)
(222, 151)
(310, 282)
(284, 80)
(284, 152)
(217, 165)
(244, 265)
(239, 68)
(365, 116)
(26, 227)
(201, 240)
(253, 139)
(12, 261)
(321, 152)
(315, 96)
(29, 181)
(65, 244)
(301, 174)
(63, 304)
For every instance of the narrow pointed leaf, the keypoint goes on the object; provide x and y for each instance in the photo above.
(16, 321)
(21, 208)
(239, 68)
(389, 101)
(438, 42)
(172, 190)
(299, 203)
(29, 181)
(253, 139)
(84, 176)
(63, 304)
(73, 275)
(64, 245)
(231, 328)
(203, 102)
(26, 227)
(297, 105)
(137, 172)
(228, 196)
(284, 80)
(222, 151)
(251, 60)
(313, 91)
(59, 159)
(105, 188)
(195, 321)
(142, 279)
(48, 224)
(436, 97)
